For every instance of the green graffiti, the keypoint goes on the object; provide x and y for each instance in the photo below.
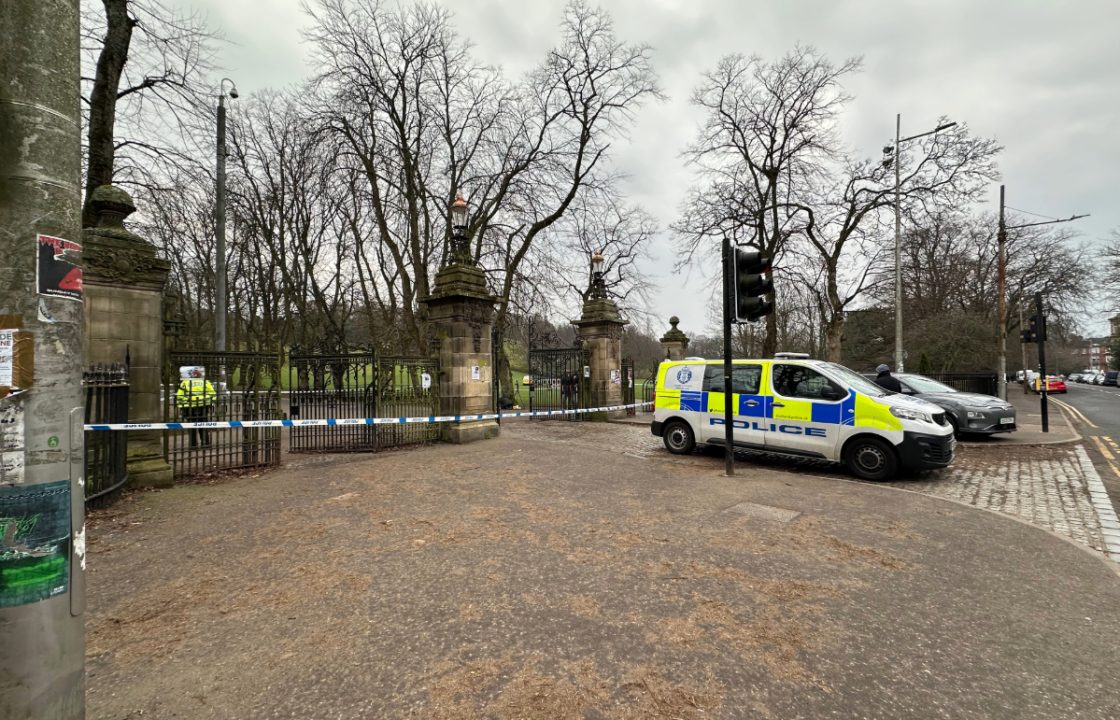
(13, 529)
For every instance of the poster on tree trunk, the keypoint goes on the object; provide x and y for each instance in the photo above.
(59, 268)
(34, 542)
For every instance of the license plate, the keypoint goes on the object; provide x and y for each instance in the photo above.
(1007, 421)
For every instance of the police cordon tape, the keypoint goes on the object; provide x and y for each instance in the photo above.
(332, 422)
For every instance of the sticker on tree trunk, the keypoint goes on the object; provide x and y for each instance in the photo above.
(34, 542)
(7, 356)
(59, 268)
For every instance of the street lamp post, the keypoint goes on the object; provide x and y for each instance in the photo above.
(220, 220)
(899, 360)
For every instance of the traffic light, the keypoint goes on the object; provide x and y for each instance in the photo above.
(1036, 329)
(752, 283)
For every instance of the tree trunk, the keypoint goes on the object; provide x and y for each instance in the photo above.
(834, 336)
(103, 100)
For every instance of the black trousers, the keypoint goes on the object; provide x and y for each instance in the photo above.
(200, 413)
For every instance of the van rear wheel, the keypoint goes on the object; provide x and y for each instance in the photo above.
(678, 437)
(870, 458)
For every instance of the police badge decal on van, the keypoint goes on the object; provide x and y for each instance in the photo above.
(684, 375)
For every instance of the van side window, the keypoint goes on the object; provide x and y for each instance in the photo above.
(798, 381)
(745, 379)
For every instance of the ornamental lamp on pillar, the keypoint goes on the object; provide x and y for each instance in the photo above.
(459, 212)
(598, 289)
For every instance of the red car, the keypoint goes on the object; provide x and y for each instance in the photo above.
(1055, 384)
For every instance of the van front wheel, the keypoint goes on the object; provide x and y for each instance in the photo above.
(678, 437)
(870, 458)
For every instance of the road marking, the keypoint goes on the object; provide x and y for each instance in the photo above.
(1108, 456)
(1110, 524)
(1104, 449)
(1077, 413)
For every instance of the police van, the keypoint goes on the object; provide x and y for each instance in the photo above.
(793, 405)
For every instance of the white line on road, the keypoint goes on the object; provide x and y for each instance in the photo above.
(1110, 524)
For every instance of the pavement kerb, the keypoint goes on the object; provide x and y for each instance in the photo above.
(1113, 566)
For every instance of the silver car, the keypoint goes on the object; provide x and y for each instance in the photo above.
(969, 413)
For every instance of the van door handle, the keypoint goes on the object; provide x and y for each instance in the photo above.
(751, 403)
(777, 404)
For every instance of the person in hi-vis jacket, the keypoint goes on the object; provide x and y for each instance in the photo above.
(195, 398)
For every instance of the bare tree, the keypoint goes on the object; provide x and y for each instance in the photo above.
(845, 223)
(420, 121)
(767, 129)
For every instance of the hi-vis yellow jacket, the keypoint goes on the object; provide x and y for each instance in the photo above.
(796, 406)
(195, 392)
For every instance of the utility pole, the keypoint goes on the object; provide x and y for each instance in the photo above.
(899, 357)
(1026, 380)
(1001, 236)
(1043, 383)
(42, 521)
(728, 310)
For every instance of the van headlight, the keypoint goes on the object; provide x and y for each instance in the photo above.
(904, 413)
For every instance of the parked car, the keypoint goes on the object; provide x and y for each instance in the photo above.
(1073, 377)
(1055, 384)
(968, 413)
(1098, 378)
(1110, 378)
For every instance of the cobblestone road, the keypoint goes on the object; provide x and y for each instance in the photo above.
(1045, 486)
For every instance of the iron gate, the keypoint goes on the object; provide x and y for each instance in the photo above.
(561, 380)
(361, 384)
(242, 386)
(628, 386)
(649, 390)
(106, 390)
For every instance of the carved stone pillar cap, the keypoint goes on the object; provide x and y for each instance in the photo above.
(674, 335)
(111, 205)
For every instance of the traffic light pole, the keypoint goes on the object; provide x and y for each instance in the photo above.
(728, 410)
(1043, 385)
(42, 531)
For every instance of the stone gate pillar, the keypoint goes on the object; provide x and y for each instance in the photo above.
(124, 282)
(600, 330)
(674, 342)
(461, 313)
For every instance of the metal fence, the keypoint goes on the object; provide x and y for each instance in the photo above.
(243, 386)
(106, 453)
(983, 383)
(361, 384)
(561, 380)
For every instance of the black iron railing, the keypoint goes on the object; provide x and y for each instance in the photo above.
(106, 453)
(979, 382)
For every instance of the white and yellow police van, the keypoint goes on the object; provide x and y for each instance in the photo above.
(793, 405)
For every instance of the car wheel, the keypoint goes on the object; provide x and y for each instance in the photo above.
(870, 458)
(678, 437)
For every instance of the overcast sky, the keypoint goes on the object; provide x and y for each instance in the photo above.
(1040, 76)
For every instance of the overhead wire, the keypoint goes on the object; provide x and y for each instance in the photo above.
(1028, 212)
